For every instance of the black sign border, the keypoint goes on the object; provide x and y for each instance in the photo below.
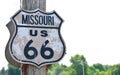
(15, 24)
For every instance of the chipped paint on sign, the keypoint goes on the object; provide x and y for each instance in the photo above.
(37, 38)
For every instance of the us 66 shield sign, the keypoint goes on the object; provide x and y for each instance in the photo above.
(37, 38)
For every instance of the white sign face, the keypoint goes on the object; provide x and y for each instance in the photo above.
(37, 38)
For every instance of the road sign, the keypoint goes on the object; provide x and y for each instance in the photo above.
(37, 39)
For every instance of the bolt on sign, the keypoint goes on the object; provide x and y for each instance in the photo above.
(37, 39)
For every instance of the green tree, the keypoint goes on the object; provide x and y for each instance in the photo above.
(3, 71)
(56, 69)
(99, 66)
(91, 70)
(12, 70)
(79, 64)
(115, 70)
(69, 71)
(103, 73)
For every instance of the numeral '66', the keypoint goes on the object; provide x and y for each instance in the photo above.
(34, 51)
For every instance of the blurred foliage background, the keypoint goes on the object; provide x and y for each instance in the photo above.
(78, 66)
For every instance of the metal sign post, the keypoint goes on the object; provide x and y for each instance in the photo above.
(35, 40)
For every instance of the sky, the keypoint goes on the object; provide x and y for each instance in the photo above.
(91, 28)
